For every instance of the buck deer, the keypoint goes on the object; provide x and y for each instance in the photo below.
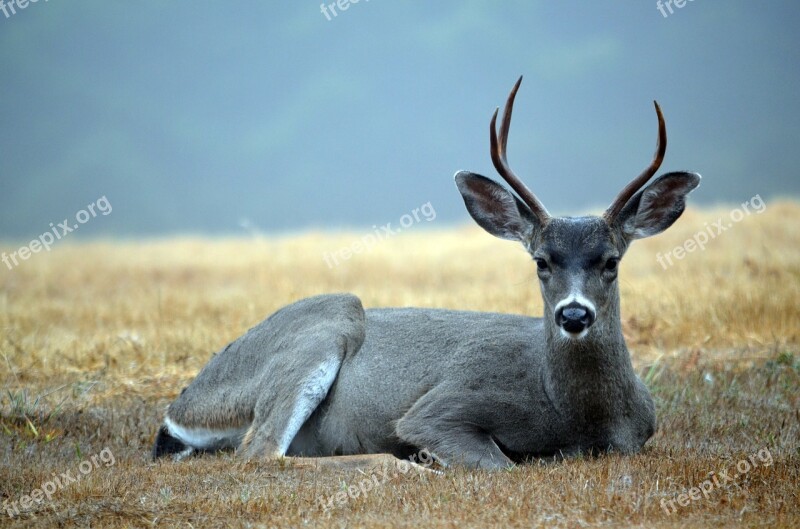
(324, 377)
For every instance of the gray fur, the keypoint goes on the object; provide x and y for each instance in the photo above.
(323, 377)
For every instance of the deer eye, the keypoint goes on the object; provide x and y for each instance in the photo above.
(541, 264)
(611, 264)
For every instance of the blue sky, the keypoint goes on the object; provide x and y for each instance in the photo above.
(191, 116)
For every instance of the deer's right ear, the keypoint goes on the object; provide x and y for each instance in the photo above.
(494, 208)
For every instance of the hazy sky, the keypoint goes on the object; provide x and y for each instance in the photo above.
(191, 116)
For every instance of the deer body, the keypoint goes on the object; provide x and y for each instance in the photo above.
(495, 382)
(453, 382)
(324, 377)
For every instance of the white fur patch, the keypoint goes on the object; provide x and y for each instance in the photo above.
(206, 438)
(180, 456)
(577, 298)
(310, 394)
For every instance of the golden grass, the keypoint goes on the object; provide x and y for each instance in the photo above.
(106, 334)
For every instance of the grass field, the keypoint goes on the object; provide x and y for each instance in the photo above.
(98, 338)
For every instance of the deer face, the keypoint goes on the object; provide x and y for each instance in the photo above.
(576, 258)
(576, 261)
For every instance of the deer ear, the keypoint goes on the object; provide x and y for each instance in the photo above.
(494, 208)
(656, 207)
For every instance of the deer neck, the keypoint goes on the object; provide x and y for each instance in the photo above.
(587, 372)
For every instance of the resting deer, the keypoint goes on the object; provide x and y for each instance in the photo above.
(324, 377)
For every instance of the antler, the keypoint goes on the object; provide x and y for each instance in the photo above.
(501, 162)
(625, 195)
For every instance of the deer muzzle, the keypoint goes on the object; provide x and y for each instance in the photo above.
(574, 318)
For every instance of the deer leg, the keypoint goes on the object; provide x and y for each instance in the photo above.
(389, 464)
(257, 392)
(287, 401)
(437, 425)
(457, 445)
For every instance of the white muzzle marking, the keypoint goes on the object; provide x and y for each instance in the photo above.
(576, 297)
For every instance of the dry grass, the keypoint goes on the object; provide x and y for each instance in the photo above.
(98, 338)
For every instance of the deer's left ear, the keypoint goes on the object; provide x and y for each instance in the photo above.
(656, 207)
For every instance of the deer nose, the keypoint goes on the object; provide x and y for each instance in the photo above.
(574, 317)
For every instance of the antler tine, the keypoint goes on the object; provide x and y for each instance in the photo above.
(625, 195)
(500, 161)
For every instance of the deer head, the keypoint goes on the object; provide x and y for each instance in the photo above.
(577, 258)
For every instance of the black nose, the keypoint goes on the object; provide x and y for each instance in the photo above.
(574, 317)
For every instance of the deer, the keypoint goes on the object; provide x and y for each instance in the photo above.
(323, 378)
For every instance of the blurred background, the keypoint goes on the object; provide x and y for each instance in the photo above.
(224, 118)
